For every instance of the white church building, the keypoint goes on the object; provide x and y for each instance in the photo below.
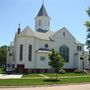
(30, 48)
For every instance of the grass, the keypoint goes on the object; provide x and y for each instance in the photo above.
(54, 75)
(28, 82)
(29, 79)
(31, 75)
(66, 74)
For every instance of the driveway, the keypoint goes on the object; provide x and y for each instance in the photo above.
(62, 87)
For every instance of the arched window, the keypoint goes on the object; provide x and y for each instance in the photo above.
(64, 50)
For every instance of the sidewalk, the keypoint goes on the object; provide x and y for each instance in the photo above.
(10, 76)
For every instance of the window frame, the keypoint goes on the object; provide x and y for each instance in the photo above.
(21, 52)
(42, 58)
(30, 53)
(64, 51)
(79, 48)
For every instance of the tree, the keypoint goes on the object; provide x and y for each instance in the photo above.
(3, 55)
(56, 61)
(87, 24)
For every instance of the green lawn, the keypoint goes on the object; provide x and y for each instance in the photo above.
(24, 82)
(30, 79)
(31, 75)
(66, 74)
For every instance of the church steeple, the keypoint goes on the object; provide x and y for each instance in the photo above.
(42, 20)
(42, 11)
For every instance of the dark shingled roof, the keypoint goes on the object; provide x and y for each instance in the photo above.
(43, 50)
(41, 30)
(42, 11)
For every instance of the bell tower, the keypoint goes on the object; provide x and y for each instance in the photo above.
(42, 20)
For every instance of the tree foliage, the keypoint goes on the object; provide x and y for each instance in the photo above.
(87, 24)
(3, 55)
(56, 60)
(88, 11)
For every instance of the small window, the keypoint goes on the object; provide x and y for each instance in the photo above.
(46, 45)
(63, 33)
(42, 58)
(79, 48)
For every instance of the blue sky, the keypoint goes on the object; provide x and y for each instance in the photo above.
(64, 13)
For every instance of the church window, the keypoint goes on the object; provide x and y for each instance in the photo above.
(64, 50)
(39, 22)
(79, 48)
(42, 58)
(63, 33)
(46, 45)
(21, 52)
(30, 53)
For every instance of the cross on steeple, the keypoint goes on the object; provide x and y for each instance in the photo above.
(43, 2)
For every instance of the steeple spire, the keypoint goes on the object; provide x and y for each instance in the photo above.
(42, 11)
(42, 20)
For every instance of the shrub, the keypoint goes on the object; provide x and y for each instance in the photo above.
(62, 71)
(80, 71)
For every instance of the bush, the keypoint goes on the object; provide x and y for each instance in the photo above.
(80, 71)
(2, 70)
(62, 71)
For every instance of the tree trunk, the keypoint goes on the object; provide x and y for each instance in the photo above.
(56, 76)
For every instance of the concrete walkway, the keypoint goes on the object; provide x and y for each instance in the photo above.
(43, 75)
(10, 76)
(62, 87)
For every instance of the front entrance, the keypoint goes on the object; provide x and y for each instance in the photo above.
(20, 68)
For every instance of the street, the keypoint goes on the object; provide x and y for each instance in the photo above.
(57, 87)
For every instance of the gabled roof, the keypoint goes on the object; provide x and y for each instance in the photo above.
(42, 11)
(27, 32)
(65, 29)
(44, 36)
